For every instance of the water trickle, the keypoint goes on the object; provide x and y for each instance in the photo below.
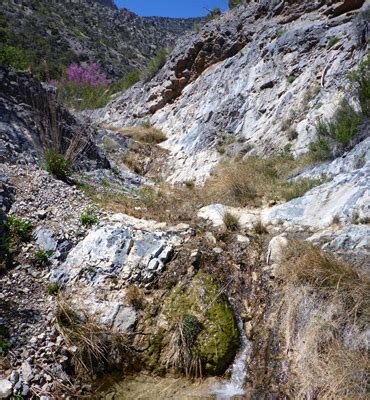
(227, 389)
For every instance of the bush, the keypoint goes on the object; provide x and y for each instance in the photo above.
(13, 58)
(53, 289)
(57, 165)
(125, 83)
(155, 64)
(84, 87)
(19, 229)
(89, 218)
(41, 257)
(360, 78)
(214, 13)
(333, 41)
(334, 136)
(4, 347)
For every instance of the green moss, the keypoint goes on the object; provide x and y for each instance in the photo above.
(154, 351)
(218, 340)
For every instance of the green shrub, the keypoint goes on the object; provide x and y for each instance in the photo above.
(41, 257)
(53, 288)
(337, 133)
(13, 58)
(19, 229)
(333, 41)
(191, 327)
(57, 165)
(155, 64)
(319, 149)
(81, 97)
(360, 78)
(280, 33)
(89, 218)
(4, 347)
(290, 79)
(125, 83)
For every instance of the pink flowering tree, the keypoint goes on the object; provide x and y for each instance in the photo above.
(92, 75)
(85, 86)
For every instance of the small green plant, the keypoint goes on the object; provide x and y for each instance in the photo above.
(235, 3)
(89, 217)
(4, 347)
(280, 33)
(57, 165)
(19, 229)
(41, 257)
(333, 41)
(290, 79)
(53, 289)
(146, 124)
(191, 327)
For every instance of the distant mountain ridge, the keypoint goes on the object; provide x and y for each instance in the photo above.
(63, 32)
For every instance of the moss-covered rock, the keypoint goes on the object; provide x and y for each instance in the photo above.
(218, 340)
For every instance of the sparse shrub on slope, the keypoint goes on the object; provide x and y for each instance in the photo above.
(340, 133)
(155, 64)
(57, 165)
(13, 58)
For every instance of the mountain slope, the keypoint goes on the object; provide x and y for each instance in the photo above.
(252, 82)
(63, 32)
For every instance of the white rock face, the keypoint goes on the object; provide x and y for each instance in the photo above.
(118, 252)
(5, 388)
(214, 214)
(346, 195)
(269, 93)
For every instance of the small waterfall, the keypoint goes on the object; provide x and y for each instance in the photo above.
(234, 387)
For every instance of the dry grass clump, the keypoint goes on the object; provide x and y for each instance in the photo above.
(308, 264)
(182, 355)
(135, 297)
(260, 228)
(324, 313)
(144, 134)
(250, 181)
(97, 349)
(166, 204)
(231, 221)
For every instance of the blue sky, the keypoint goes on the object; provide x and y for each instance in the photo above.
(172, 8)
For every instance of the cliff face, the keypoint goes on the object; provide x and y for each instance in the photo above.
(259, 76)
(93, 31)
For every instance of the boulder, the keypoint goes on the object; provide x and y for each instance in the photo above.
(5, 388)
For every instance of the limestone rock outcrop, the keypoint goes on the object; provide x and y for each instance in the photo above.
(258, 77)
